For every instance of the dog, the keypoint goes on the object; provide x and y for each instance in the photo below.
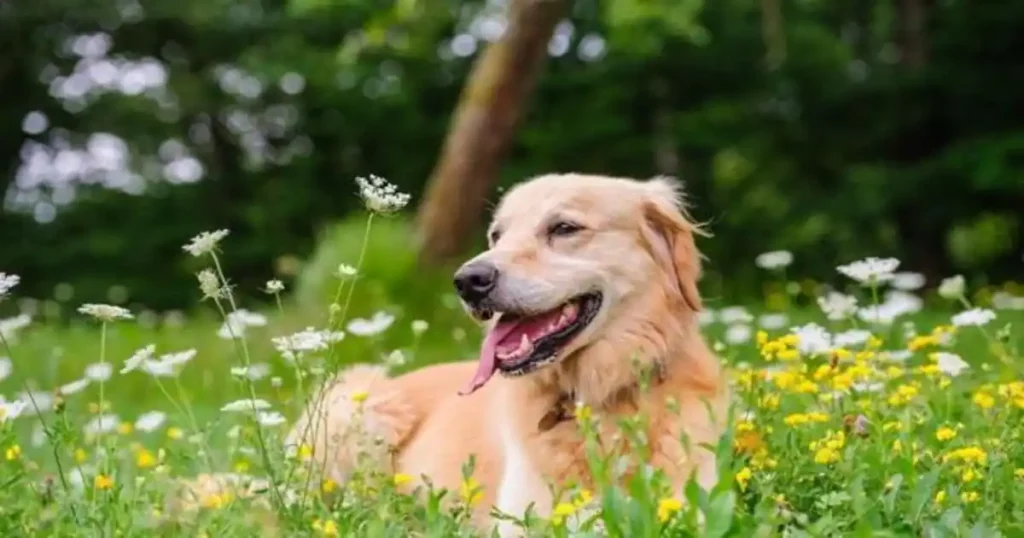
(587, 282)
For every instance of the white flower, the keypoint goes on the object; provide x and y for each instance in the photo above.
(838, 306)
(36, 400)
(734, 314)
(370, 327)
(870, 270)
(950, 363)
(899, 355)
(178, 358)
(738, 334)
(270, 418)
(812, 339)
(138, 358)
(975, 316)
(1002, 300)
(773, 321)
(952, 288)
(209, 284)
(38, 435)
(10, 326)
(868, 387)
(853, 337)
(105, 312)
(897, 303)
(276, 382)
(73, 387)
(158, 368)
(105, 423)
(395, 359)
(6, 367)
(706, 317)
(236, 323)
(254, 372)
(777, 259)
(10, 410)
(309, 340)
(907, 281)
(380, 196)
(7, 283)
(246, 405)
(274, 287)
(150, 421)
(346, 271)
(205, 242)
(419, 326)
(99, 371)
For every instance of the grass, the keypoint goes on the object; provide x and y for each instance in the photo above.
(867, 438)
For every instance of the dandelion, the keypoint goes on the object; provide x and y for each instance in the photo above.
(174, 433)
(205, 242)
(371, 327)
(210, 285)
(246, 405)
(73, 387)
(778, 259)
(326, 528)
(668, 507)
(400, 478)
(743, 478)
(145, 459)
(969, 496)
(273, 287)
(7, 283)
(870, 271)
(13, 452)
(137, 358)
(945, 433)
(381, 196)
(105, 312)
(940, 497)
(974, 317)
(100, 371)
(150, 421)
(952, 288)
(103, 482)
(983, 400)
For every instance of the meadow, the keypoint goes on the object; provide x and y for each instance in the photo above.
(878, 409)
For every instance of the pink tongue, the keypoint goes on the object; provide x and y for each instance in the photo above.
(488, 356)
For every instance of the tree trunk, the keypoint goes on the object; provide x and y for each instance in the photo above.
(482, 128)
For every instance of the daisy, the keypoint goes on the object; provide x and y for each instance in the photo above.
(870, 271)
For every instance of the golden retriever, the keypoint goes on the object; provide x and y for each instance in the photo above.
(585, 277)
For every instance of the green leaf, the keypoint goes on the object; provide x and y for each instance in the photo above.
(719, 514)
(923, 493)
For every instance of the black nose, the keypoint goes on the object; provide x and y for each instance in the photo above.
(475, 280)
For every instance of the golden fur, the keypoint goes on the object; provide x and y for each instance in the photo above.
(638, 249)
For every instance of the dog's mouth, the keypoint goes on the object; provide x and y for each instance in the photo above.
(520, 343)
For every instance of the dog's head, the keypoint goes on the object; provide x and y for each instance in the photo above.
(570, 258)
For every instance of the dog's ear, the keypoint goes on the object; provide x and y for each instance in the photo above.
(670, 236)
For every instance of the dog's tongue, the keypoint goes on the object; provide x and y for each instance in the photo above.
(488, 355)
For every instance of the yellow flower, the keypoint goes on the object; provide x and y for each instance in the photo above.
(788, 355)
(326, 528)
(864, 355)
(144, 459)
(945, 433)
(583, 498)
(969, 496)
(241, 466)
(840, 353)
(795, 419)
(969, 475)
(305, 452)
(400, 478)
(13, 453)
(940, 497)
(1019, 472)
(806, 387)
(217, 501)
(918, 343)
(983, 400)
(667, 507)
(583, 412)
(562, 511)
(762, 338)
(874, 342)
(768, 401)
(743, 478)
(124, 428)
(360, 396)
(102, 481)
(970, 454)
(748, 442)
(789, 340)
(174, 432)
(897, 445)
(470, 491)
(826, 455)
(328, 485)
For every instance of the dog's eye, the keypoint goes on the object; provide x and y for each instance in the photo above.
(563, 228)
(494, 236)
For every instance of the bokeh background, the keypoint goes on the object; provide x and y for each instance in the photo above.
(833, 129)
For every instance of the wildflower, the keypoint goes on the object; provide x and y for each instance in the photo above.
(345, 271)
(210, 285)
(969, 496)
(952, 287)
(945, 433)
(974, 317)
(328, 485)
(748, 442)
(310, 340)
(812, 339)
(105, 312)
(470, 491)
(837, 306)
(778, 259)
(380, 196)
(940, 497)
(918, 343)
(7, 283)
(743, 478)
(100, 371)
(371, 327)
(270, 419)
(246, 405)
(305, 452)
(737, 334)
(274, 287)
(668, 507)
(145, 459)
(138, 358)
(969, 475)
(908, 281)
(949, 363)
(13, 452)
(983, 400)
(562, 511)
(359, 396)
(73, 387)
(101, 424)
(969, 454)
(103, 482)
(124, 428)
(326, 528)
(6, 367)
(870, 271)
(237, 322)
(216, 501)
(174, 433)
(150, 421)
(419, 326)
(205, 242)
(1019, 472)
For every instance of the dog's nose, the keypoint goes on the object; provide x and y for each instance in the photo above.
(475, 280)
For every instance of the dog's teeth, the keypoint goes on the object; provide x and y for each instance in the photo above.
(569, 310)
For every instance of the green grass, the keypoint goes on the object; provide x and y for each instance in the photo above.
(802, 464)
